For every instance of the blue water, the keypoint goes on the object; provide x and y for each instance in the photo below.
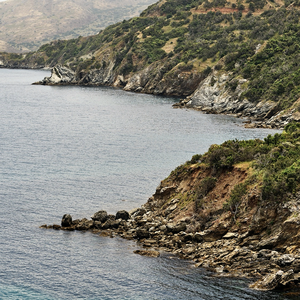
(78, 150)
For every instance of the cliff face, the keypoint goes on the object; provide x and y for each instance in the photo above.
(152, 80)
(156, 79)
(188, 195)
(214, 95)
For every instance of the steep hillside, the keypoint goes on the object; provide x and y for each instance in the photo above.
(225, 57)
(26, 25)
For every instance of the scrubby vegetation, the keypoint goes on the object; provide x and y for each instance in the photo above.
(253, 39)
(275, 160)
(274, 163)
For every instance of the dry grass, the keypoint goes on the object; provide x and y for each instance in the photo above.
(170, 45)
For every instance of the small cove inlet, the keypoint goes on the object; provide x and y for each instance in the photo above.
(78, 150)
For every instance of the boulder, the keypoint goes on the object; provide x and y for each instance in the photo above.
(66, 221)
(110, 223)
(84, 224)
(285, 260)
(163, 228)
(176, 228)
(137, 212)
(142, 233)
(274, 280)
(122, 214)
(100, 216)
(198, 237)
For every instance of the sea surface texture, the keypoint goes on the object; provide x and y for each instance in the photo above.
(78, 150)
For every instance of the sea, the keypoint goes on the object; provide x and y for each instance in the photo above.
(77, 150)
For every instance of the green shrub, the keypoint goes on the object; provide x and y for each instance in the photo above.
(236, 196)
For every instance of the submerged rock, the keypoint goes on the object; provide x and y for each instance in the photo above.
(150, 253)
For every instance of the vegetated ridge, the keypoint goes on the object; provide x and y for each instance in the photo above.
(224, 57)
(234, 210)
(27, 24)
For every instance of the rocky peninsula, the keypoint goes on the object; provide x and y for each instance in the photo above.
(224, 210)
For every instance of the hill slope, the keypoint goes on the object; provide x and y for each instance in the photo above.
(225, 57)
(26, 25)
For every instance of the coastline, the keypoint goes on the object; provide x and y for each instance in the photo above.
(201, 96)
(221, 245)
(198, 94)
(231, 255)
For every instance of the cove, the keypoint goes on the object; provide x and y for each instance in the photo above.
(78, 150)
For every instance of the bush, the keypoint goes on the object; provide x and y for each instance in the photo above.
(206, 185)
(236, 196)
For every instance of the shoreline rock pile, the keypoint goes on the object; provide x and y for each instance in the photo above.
(226, 254)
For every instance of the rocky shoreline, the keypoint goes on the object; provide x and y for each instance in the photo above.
(279, 121)
(210, 94)
(215, 216)
(225, 253)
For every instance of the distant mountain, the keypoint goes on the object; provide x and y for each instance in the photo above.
(27, 24)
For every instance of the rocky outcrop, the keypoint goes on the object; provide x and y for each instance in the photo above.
(219, 94)
(154, 79)
(229, 254)
(157, 79)
(66, 221)
(261, 241)
(60, 75)
(262, 244)
(215, 95)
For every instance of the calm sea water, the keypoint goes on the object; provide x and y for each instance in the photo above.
(78, 150)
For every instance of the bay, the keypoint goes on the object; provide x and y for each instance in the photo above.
(71, 149)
